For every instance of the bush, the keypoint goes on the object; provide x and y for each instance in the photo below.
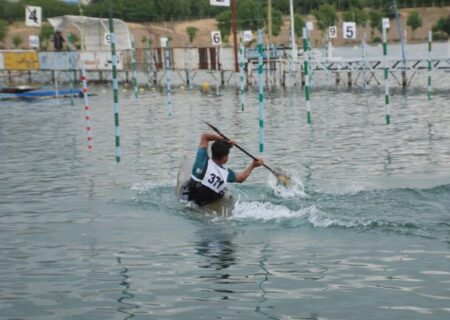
(440, 36)
(3, 30)
(376, 40)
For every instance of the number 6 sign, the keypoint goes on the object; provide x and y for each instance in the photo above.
(349, 30)
(216, 38)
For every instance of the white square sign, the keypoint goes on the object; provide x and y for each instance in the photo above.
(216, 38)
(247, 36)
(309, 25)
(349, 30)
(107, 38)
(33, 41)
(385, 23)
(222, 3)
(33, 16)
(332, 32)
(164, 41)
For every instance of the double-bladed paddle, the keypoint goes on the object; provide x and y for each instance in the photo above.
(281, 177)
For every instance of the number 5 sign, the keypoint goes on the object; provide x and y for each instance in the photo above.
(349, 30)
(216, 38)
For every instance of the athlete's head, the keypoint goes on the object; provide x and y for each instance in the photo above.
(220, 150)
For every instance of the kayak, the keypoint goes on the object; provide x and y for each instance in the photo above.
(221, 207)
(17, 89)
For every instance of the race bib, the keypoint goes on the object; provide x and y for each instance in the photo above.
(215, 177)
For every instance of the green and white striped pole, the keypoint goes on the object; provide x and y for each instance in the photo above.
(430, 39)
(386, 84)
(115, 82)
(261, 90)
(189, 67)
(307, 77)
(168, 86)
(71, 71)
(133, 66)
(149, 64)
(363, 61)
(241, 72)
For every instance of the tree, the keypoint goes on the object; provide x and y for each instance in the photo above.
(441, 30)
(325, 16)
(299, 24)
(357, 15)
(73, 41)
(45, 35)
(414, 21)
(250, 14)
(17, 41)
(192, 33)
(224, 24)
(3, 30)
(277, 21)
(443, 25)
(375, 17)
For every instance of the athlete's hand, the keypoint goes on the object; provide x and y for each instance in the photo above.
(258, 162)
(231, 142)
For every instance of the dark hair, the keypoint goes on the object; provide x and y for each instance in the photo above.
(220, 149)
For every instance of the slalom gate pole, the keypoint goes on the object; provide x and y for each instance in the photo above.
(241, 73)
(115, 83)
(87, 116)
(386, 84)
(133, 66)
(430, 39)
(168, 86)
(307, 77)
(261, 90)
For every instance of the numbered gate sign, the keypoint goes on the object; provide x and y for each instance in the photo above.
(107, 39)
(216, 38)
(247, 36)
(33, 16)
(349, 30)
(164, 41)
(222, 3)
(332, 32)
(385, 23)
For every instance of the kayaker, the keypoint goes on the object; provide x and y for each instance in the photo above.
(209, 176)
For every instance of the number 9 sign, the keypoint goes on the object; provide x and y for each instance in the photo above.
(332, 32)
(216, 38)
(349, 30)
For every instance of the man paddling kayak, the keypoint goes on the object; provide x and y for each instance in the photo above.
(209, 176)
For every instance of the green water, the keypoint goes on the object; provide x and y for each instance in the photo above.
(364, 235)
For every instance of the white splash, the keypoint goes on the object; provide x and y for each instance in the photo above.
(144, 186)
(295, 188)
(266, 211)
(322, 220)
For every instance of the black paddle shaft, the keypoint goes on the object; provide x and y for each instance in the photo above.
(240, 148)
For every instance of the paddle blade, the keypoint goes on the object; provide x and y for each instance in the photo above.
(283, 178)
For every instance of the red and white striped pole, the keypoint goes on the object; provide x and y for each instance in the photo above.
(86, 107)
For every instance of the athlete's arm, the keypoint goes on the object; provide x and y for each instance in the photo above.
(210, 136)
(241, 177)
(207, 137)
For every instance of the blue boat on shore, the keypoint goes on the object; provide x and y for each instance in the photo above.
(24, 92)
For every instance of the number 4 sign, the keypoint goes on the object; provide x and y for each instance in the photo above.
(33, 16)
(349, 30)
(216, 38)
